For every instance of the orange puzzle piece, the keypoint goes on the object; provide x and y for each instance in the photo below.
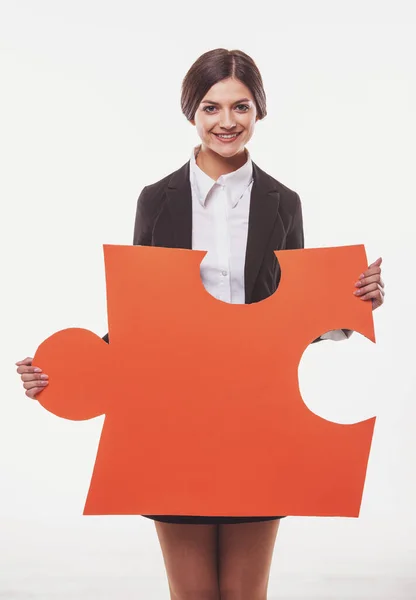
(203, 414)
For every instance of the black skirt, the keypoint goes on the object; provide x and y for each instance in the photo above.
(197, 520)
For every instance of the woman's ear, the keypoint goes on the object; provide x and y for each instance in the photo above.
(192, 122)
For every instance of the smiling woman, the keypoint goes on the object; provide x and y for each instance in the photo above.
(220, 201)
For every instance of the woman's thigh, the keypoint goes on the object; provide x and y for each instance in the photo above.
(245, 554)
(190, 557)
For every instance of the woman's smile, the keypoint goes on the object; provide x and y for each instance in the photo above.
(227, 138)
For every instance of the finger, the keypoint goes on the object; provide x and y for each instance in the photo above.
(365, 289)
(376, 263)
(24, 369)
(367, 280)
(375, 294)
(370, 272)
(26, 361)
(34, 376)
(372, 287)
(32, 393)
(28, 385)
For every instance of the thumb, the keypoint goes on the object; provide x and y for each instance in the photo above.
(25, 361)
(376, 263)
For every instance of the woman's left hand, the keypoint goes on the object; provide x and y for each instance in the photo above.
(370, 284)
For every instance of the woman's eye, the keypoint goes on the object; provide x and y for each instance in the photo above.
(206, 109)
(243, 107)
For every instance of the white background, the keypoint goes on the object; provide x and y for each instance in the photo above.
(89, 109)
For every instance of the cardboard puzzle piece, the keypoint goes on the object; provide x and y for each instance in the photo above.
(203, 414)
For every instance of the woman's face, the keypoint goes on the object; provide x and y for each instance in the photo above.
(228, 109)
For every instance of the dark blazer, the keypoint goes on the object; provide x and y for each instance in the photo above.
(164, 218)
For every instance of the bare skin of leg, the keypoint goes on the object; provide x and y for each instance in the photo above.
(218, 562)
(190, 557)
(245, 556)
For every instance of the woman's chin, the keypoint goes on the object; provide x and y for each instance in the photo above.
(226, 151)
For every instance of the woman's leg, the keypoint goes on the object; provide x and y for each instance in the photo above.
(245, 553)
(190, 557)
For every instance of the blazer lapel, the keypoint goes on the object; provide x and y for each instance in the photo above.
(179, 205)
(264, 207)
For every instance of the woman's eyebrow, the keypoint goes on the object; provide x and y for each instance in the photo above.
(217, 103)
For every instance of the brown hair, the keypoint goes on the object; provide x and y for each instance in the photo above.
(214, 66)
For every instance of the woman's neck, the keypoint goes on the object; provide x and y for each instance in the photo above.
(215, 165)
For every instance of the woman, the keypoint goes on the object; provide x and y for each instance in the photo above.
(220, 201)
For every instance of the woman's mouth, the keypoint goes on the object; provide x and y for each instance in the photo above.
(227, 138)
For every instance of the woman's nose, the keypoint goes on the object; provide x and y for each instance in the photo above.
(227, 121)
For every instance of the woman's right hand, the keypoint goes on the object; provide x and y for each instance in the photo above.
(34, 381)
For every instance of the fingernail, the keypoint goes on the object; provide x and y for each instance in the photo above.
(44, 376)
(37, 370)
(361, 276)
(44, 382)
(358, 283)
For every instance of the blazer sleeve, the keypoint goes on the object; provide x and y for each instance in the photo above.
(142, 235)
(295, 240)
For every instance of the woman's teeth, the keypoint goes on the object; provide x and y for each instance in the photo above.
(229, 136)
